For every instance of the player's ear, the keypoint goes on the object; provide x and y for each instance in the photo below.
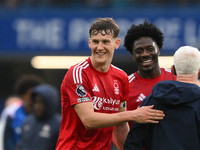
(158, 51)
(89, 42)
(173, 70)
(117, 43)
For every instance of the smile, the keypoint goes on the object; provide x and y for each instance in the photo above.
(146, 62)
(100, 53)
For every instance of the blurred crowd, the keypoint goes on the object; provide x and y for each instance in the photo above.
(31, 115)
(95, 3)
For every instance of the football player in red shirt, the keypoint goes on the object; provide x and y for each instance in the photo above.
(144, 42)
(93, 92)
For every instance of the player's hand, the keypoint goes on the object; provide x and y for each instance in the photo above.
(146, 114)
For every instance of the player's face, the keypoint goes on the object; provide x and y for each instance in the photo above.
(102, 48)
(145, 53)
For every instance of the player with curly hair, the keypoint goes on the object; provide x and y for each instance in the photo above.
(144, 42)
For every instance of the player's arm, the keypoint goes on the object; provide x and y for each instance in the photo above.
(120, 132)
(92, 120)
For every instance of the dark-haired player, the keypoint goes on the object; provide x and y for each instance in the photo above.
(144, 42)
(93, 92)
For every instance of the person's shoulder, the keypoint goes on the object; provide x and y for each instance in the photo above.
(131, 77)
(76, 70)
(83, 64)
(119, 70)
(19, 109)
(29, 119)
(149, 100)
(166, 70)
(20, 113)
(168, 74)
(10, 110)
(55, 120)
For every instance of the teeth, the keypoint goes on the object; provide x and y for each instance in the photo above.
(146, 61)
(100, 53)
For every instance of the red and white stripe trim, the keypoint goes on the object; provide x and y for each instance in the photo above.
(131, 77)
(77, 76)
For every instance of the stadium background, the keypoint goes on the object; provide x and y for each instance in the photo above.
(28, 30)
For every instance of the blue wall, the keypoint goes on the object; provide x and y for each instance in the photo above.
(65, 31)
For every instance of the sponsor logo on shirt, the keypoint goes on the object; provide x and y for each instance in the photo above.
(105, 103)
(116, 87)
(83, 99)
(96, 89)
(141, 97)
(80, 91)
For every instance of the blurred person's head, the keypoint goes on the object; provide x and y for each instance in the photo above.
(23, 88)
(103, 41)
(187, 60)
(11, 100)
(144, 42)
(45, 100)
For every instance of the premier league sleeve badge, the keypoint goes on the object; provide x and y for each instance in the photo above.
(80, 91)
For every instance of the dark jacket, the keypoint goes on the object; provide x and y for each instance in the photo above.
(180, 128)
(42, 133)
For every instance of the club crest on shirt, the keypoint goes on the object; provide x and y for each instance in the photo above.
(116, 87)
(80, 91)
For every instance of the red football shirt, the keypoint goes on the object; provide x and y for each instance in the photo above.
(141, 88)
(83, 83)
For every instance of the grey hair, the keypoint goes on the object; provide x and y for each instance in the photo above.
(187, 60)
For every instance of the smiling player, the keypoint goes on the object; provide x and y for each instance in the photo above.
(144, 42)
(93, 92)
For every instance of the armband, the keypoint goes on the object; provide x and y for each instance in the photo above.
(123, 104)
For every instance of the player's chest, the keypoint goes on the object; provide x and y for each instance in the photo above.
(138, 91)
(105, 93)
(105, 85)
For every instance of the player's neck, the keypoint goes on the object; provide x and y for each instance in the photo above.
(151, 74)
(190, 78)
(102, 67)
